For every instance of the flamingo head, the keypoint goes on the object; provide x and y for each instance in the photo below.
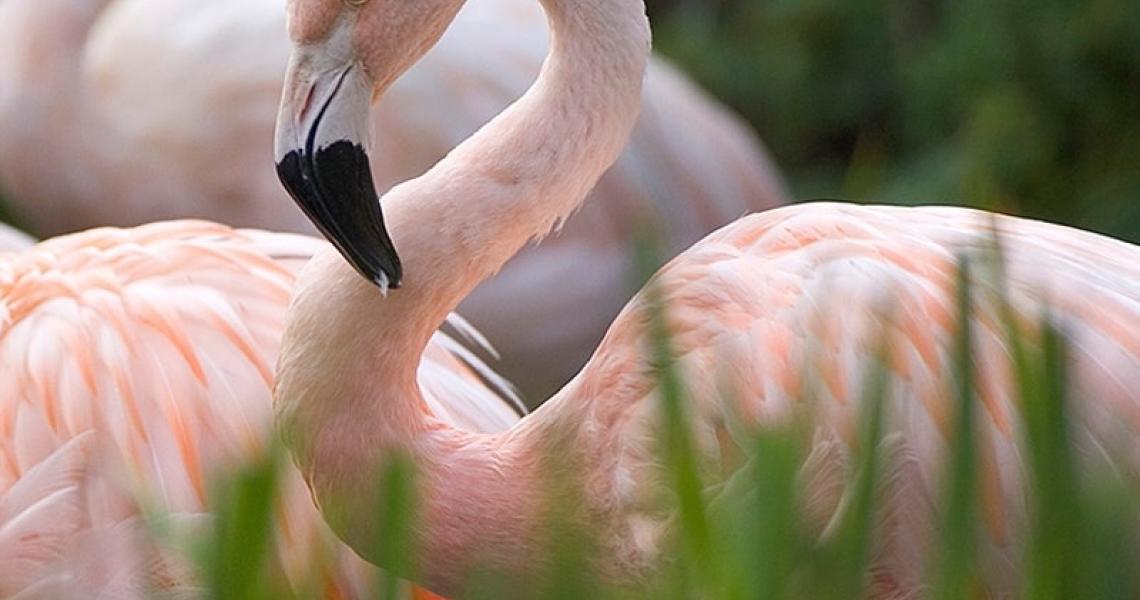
(345, 54)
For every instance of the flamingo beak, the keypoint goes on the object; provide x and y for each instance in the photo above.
(321, 138)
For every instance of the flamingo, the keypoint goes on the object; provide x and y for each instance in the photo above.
(137, 364)
(12, 239)
(113, 112)
(746, 306)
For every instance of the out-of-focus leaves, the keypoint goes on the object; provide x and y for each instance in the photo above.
(1019, 106)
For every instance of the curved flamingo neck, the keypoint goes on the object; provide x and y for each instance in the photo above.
(347, 393)
(528, 169)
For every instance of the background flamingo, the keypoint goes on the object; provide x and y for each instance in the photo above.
(128, 111)
(139, 362)
(746, 307)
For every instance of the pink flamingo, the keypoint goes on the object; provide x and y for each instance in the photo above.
(138, 362)
(747, 305)
(128, 111)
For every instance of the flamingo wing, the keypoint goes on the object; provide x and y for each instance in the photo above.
(795, 303)
(140, 362)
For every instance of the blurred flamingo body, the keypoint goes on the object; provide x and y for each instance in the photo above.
(139, 362)
(128, 111)
(747, 307)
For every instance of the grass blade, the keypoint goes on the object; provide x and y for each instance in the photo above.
(954, 573)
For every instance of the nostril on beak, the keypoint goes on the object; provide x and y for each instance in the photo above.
(321, 160)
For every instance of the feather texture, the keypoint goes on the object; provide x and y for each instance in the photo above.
(141, 361)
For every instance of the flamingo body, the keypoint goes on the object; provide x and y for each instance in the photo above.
(136, 365)
(754, 312)
(763, 313)
(118, 111)
(794, 303)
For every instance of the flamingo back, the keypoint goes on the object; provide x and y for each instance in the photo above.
(136, 365)
(795, 303)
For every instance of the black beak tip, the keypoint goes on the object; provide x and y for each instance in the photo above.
(333, 186)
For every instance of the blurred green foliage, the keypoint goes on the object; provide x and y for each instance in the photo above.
(1028, 107)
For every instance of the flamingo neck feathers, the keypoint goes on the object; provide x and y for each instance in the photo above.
(347, 393)
(527, 170)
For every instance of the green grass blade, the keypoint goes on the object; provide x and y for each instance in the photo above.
(239, 551)
(395, 546)
(954, 573)
(1054, 551)
(776, 515)
(1112, 547)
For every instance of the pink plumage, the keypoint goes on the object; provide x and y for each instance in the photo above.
(137, 364)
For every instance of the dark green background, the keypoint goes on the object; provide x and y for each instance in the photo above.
(1025, 106)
